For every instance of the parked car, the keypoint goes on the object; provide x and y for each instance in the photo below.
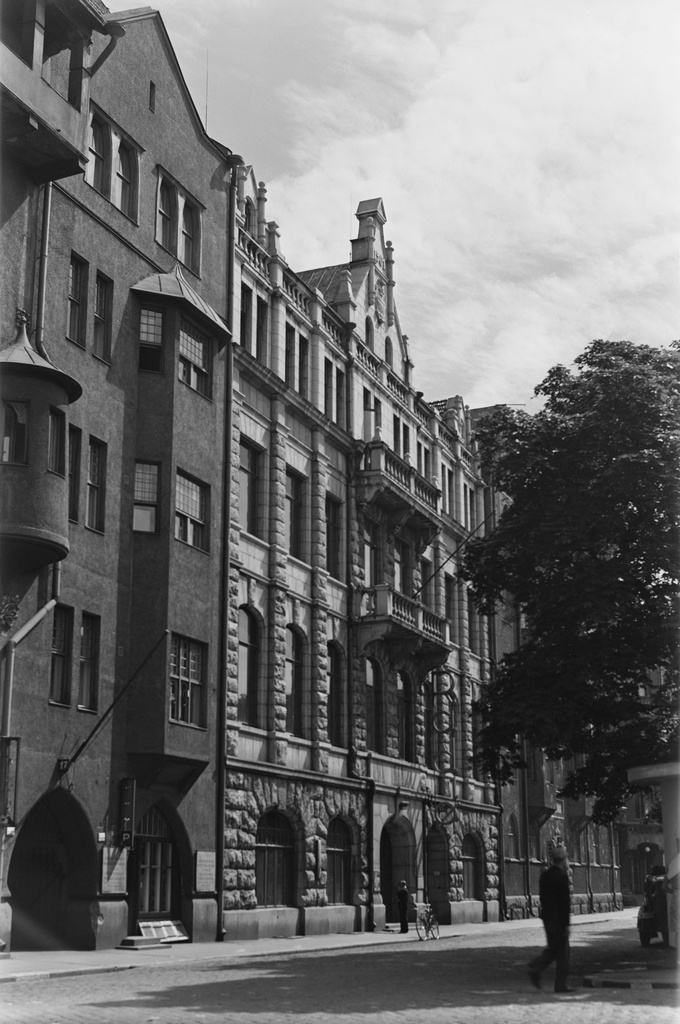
(652, 919)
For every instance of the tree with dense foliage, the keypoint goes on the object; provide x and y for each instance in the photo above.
(588, 546)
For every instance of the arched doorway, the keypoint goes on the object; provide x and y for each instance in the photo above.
(53, 877)
(154, 872)
(397, 862)
(437, 878)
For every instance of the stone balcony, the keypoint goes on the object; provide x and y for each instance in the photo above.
(393, 484)
(387, 615)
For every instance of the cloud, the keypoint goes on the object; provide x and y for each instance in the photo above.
(526, 152)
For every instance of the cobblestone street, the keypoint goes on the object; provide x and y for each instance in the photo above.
(459, 980)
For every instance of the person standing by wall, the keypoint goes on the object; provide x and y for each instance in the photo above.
(555, 912)
(403, 898)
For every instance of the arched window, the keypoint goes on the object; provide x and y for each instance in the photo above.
(472, 868)
(126, 180)
(374, 707)
(274, 861)
(338, 862)
(336, 702)
(99, 174)
(405, 716)
(428, 723)
(294, 682)
(369, 333)
(388, 351)
(167, 216)
(512, 838)
(248, 667)
(190, 241)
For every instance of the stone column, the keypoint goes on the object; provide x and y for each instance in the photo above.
(278, 563)
(319, 637)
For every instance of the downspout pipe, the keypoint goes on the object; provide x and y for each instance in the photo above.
(233, 163)
(42, 270)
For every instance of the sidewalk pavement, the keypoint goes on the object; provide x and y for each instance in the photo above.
(65, 963)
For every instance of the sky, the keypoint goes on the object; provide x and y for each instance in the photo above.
(527, 153)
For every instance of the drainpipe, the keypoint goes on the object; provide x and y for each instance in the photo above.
(116, 32)
(10, 649)
(525, 822)
(42, 269)
(233, 163)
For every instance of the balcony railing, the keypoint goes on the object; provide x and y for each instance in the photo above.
(379, 459)
(382, 602)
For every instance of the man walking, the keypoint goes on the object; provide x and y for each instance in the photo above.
(555, 910)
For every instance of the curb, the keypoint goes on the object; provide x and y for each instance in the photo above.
(598, 981)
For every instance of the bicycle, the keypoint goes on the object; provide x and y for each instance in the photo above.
(427, 924)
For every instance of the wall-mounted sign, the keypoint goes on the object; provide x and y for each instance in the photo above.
(114, 869)
(205, 871)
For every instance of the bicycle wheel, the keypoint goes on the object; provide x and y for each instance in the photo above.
(421, 925)
(433, 927)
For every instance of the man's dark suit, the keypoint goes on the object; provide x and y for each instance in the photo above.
(555, 910)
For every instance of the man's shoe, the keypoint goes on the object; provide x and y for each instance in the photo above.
(535, 979)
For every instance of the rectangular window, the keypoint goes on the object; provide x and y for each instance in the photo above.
(57, 443)
(246, 338)
(451, 606)
(96, 485)
(167, 215)
(60, 669)
(294, 511)
(402, 566)
(74, 450)
(145, 516)
(100, 149)
(340, 398)
(262, 322)
(303, 366)
(151, 340)
(103, 296)
(372, 560)
(250, 484)
(406, 442)
(396, 435)
(290, 356)
(15, 432)
(126, 180)
(334, 536)
(191, 512)
(187, 675)
(89, 662)
(426, 583)
(328, 388)
(190, 238)
(77, 295)
(194, 358)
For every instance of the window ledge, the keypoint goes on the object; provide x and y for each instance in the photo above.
(58, 704)
(86, 710)
(188, 725)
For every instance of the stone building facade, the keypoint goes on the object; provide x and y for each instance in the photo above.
(239, 667)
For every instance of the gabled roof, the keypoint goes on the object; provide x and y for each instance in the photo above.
(175, 286)
(21, 357)
(143, 13)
